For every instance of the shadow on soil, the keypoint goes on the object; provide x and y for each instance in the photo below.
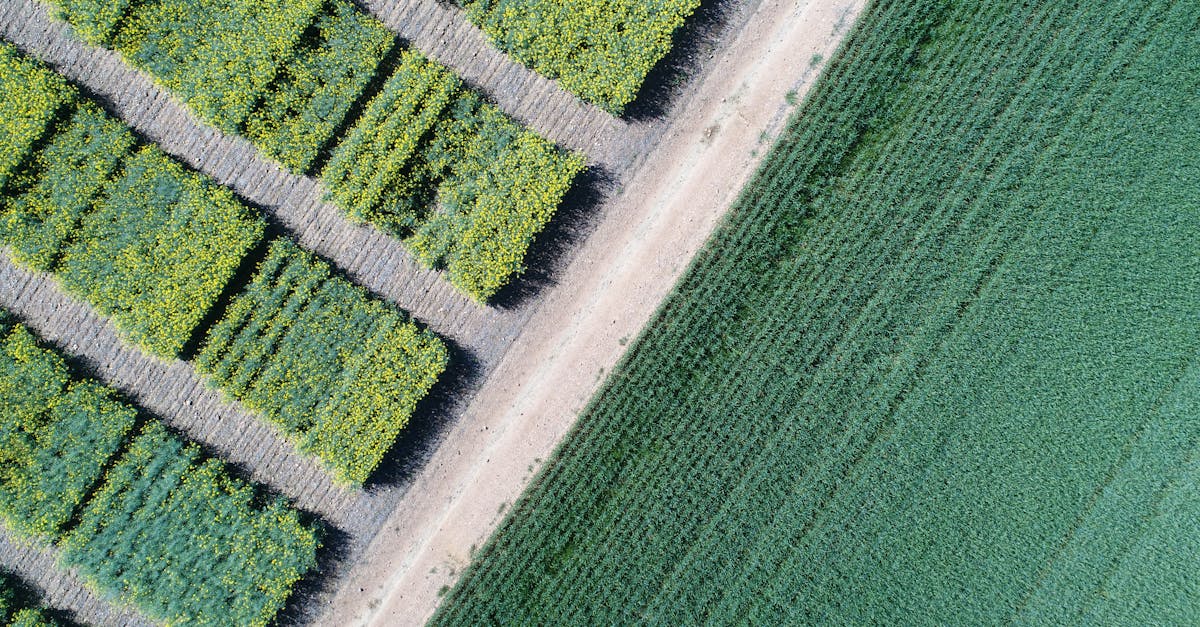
(25, 595)
(690, 47)
(575, 218)
(303, 606)
(434, 415)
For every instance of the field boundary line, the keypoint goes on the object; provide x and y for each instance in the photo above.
(621, 275)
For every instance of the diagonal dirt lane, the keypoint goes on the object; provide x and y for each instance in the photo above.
(602, 300)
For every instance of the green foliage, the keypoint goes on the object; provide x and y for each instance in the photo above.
(338, 371)
(8, 599)
(292, 80)
(313, 92)
(74, 166)
(94, 20)
(33, 617)
(219, 55)
(31, 98)
(378, 173)
(940, 365)
(600, 50)
(55, 438)
(158, 249)
(178, 536)
(141, 238)
(496, 184)
(505, 184)
(165, 528)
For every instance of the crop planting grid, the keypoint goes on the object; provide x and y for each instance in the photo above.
(133, 266)
(939, 366)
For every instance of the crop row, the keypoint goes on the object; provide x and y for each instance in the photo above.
(16, 610)
(600, 50)
(140, 513)
(399, 141)
(153, 245)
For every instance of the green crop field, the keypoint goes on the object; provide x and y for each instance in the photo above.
(939, 366)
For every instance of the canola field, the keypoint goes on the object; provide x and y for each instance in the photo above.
(939, 365)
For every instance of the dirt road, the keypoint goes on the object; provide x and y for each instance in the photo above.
(624, 269)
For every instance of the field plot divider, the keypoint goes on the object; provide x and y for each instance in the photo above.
(370, 258)
(445, 34)
(176, 394)
(37, 565)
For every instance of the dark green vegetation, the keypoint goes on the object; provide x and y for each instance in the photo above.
(57, 435)
(15, 611)
(425, 156)
(364, 365)
(183, 540)
(154, 245)
(939, 366)
(144, 518)
(600, 50)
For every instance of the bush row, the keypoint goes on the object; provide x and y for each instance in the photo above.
(600, 50)
(296, 80)
(338, 371)
(163, 527)
(154, 246)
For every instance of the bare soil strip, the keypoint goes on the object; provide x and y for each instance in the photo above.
(603, 299)
(59, 589)
(443, 32)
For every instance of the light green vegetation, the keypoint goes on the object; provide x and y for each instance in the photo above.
(338, 371)
(939, 366)
(327, 90)
(600, 50)
(146, 519)
(154, 246)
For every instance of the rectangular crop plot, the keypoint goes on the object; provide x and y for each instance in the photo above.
(338, 371)
(159, 247)
(43, 215)
(146, 241)
(55, 437)
(183, 540)
(600, 50)
(146, 518)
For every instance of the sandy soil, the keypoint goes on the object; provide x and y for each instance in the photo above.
(601, 301)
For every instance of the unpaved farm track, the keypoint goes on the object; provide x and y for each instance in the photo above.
(624, 270)
(523, 370)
